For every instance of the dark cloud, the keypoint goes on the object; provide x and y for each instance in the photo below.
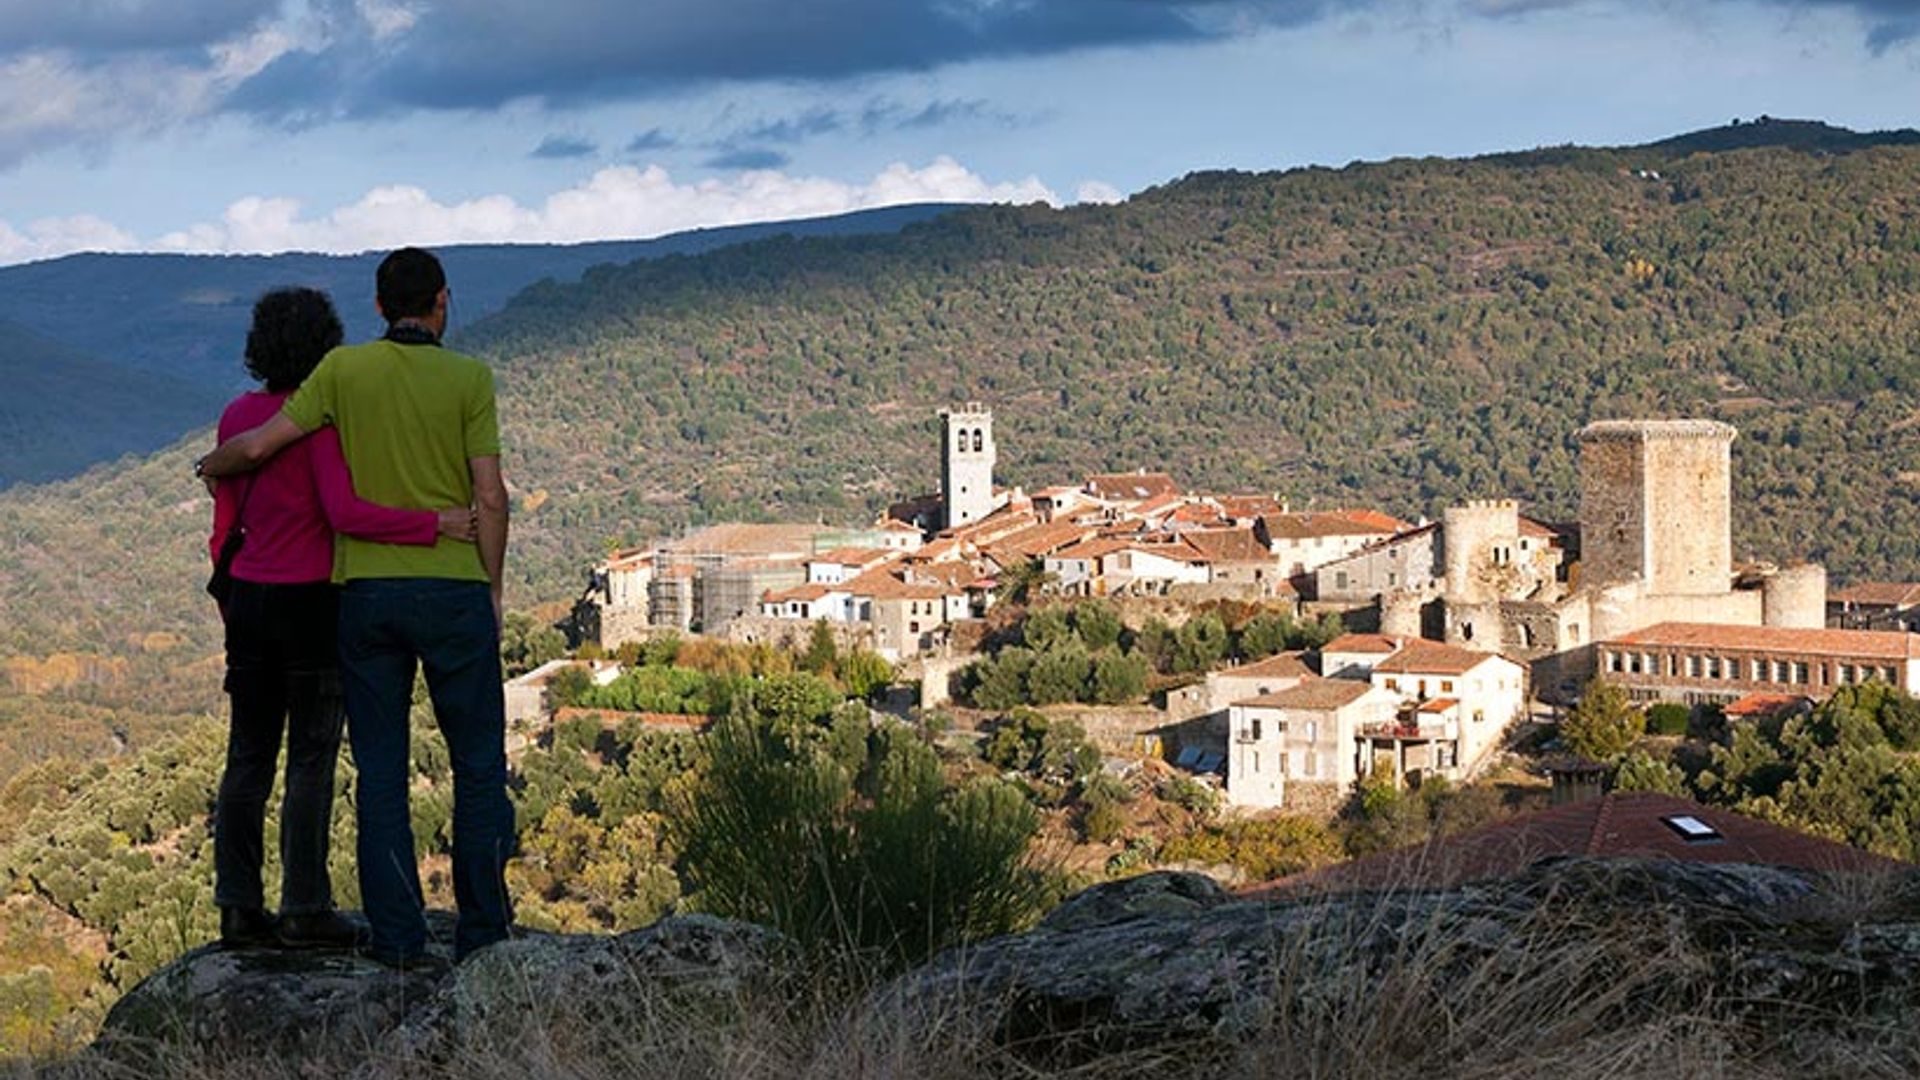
(794, 129)
(941, 113)
(748, 158)
(655, 139)
(481, 53)
(118, 25)
(564, 146)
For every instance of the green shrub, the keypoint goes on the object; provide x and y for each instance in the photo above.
(1668, 718)
(894, 868)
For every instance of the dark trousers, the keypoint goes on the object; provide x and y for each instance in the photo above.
(281, 676)
(387, 626)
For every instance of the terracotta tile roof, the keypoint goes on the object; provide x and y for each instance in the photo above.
(1894, 594)
(939, 550)
(1533, 527)
(1229, 545)
(896, 525)
(1422, 657)
(1036, 541)
(884, 584)
(1316, 695)
(1622, 825)
(1093, 547)
(853, 556)
(1279, 666)
(1373, 519)
(1437, 705)
(1132, 486)
(1755, 706)
(1875, 644)
(805, 594)
(1248, 507)
(1379, 644)
(1203, 514)
(1327, 523)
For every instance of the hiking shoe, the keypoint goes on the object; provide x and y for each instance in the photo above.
(321, 930)
(247, 928)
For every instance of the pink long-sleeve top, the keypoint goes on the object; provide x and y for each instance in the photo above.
(300, 498)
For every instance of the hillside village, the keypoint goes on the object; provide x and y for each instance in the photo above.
(1462, 625)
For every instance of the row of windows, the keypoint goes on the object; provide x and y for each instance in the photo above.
(1731, 669)
(960, 439)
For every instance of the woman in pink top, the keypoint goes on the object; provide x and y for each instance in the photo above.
(281, 667)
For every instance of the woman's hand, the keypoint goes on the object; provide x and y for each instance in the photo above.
(460, 523)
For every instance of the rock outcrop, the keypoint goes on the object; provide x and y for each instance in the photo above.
(1571, 948)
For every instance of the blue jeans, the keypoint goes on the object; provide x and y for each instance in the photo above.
(388, 625)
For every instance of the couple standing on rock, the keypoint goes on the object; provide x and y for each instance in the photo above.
(362, 488)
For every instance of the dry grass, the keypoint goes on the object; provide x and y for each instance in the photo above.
(1572, 991)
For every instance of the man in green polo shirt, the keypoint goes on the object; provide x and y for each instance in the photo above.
(418, 427)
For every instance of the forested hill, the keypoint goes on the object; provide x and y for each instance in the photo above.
(171, 327)
(1403, 334)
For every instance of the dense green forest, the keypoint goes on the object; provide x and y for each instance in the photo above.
(1401, 334)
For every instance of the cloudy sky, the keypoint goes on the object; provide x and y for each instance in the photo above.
(342, 125)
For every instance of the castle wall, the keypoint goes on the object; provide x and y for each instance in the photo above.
(1480, 543)
(1796, 597)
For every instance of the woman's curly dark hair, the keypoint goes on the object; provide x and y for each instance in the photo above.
(292, 329)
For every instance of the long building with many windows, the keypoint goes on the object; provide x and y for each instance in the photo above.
(1702, 663)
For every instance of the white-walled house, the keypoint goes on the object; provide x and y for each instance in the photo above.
(1352, 656)
(1305, 736)
(1456, 704)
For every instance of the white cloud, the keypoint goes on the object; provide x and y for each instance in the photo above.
(51, 97)
(1097, 191)
(49, 237)
(386, 18)
(622, 202)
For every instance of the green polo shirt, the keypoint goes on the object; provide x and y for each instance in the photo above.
(409, 418)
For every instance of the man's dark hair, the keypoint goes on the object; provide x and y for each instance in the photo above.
(407, 283)
(292, 329)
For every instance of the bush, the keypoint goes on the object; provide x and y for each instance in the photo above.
(1668, 718)
(895, 868)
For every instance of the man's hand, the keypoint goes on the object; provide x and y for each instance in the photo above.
(462, 523)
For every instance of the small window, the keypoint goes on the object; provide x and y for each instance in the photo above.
(1446, 686)
(960, 442)
(1692, 829)
(1253, 727)
(978, 439)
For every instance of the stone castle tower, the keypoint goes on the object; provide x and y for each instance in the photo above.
(966, 464)
(1655, 505)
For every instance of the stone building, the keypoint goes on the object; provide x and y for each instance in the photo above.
(1655, 545)
(1408, 560)
(1702, 663)
(967, 457)
(1875, 605)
